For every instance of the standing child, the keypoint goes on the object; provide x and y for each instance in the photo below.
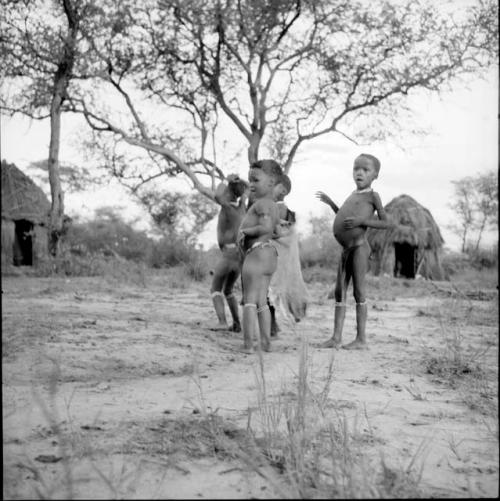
(260, 255)
(228, 268)
(349, 228)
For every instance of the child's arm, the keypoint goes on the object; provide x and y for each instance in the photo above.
(382, 223)
(222, 195)
(327, 200)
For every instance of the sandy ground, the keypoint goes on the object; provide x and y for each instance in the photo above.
(108, 387)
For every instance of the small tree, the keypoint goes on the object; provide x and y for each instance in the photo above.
(41, 42)
(486, 203)
(476, 207)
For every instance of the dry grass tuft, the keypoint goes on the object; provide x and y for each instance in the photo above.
(317, 449)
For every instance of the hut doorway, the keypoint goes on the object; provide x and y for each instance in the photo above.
(23, 244)
(404, 260)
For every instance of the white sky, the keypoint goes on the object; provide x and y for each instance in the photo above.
(462, 140)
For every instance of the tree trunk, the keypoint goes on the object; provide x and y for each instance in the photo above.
(480, 234)
(61, 81)
(464, 239)
(57, 208)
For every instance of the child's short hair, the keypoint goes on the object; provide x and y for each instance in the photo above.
(286, 182)
(270, 167)
(375, 160)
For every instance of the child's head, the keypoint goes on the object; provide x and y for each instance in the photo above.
(263, 177)
(283, 187)
(236, 185)
(365, 170)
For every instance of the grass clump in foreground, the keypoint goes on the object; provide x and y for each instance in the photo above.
(462, 367)
(318, 450)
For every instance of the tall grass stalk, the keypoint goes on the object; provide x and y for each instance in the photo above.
(51, 414)
(317, 447)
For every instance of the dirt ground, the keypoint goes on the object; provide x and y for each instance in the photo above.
(110, 388)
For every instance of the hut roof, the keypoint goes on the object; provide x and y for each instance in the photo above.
(21, 197)
(405, 210)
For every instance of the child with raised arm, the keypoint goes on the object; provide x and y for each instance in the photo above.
(231, 198)
(349, 228)
(260, 255)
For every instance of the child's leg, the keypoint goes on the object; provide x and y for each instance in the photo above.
(250, 284)
(217, 296)
(249, 321)
(231, 278)
(256, 273)
(360, 268)
(343, 277)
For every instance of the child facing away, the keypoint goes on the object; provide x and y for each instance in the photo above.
(349, 228)
(232, 199)
(259, 254)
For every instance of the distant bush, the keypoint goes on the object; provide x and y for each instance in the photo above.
(320, 247)
(455, 263)
(86, 244)
(171, 251)
(108, 234)
(91, 265)
(484, 257)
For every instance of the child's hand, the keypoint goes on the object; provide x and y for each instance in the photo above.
(353, 222)
(323, 197)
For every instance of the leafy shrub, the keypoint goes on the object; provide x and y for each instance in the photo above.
(91, 265)
(454, 262)
(172, 251)
(484, 257)
(108, 234)
(457, 263)
(320, 247)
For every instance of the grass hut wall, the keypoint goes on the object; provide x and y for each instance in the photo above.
(25, 217)
(407, 254)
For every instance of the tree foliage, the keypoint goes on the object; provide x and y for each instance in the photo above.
(179, 215)
(186, 83)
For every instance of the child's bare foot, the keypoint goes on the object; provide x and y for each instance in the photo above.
(219, 327)
(266, 346)
(356, 345)
(246, 349)
(331, 343)
(236, 327)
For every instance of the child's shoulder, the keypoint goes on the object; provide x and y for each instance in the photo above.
(265, 205)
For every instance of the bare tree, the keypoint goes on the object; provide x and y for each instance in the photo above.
(175, 79)
(463, 208)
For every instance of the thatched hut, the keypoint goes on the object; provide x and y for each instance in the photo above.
(25, 217)
(407, 253)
